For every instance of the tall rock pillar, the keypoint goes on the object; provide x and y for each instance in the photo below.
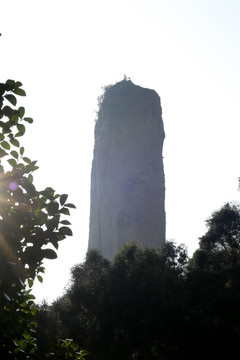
(127, 180)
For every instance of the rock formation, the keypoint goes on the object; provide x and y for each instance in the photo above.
(127, 180)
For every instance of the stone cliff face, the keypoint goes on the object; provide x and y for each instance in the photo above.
(127, 180)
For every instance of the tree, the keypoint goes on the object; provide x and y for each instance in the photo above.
(157, 304)
(214, 287)
(31, 226)
(130, 308)
(219, 248)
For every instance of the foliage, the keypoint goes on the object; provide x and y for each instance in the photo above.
(219, 249)
(158, 304)
(31, 226)
(48, 333)
(214, 286)
(67, 349)
(121, 309)
(107, 88)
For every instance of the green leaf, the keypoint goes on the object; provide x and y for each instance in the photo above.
(30, 178)
(70, 206)
(49, 254)
(21, 150)
(26, 335)
(17, 84)
(1, 137)
(35, 168)
(65, 211)
(30, 283)
(74, 346)
(65, 230)
(31, 296)
(63, 199)
(40, 278)
(14, 119)
(52, 208)
(34, 311)
(65, 222)
(17, 342)
(26, 160)
(48, 193)
(30, 168)
(28, 119)
(9, 84)
(33, 324)
(15, 142)
(18, 134)
(21, 128)
(22, 166)
(19, 92)
(12, 162)
(14, 154)
(24, 344)
(5, 145)
(84, 352)
(21, 111)
(11, 98)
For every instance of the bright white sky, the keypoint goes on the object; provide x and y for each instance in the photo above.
(64, 51)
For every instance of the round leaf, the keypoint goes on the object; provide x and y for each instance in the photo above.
(40, 278)
(19, 92)
(65, 211)
(28, 119)
(17, 84)
(30, 178)
(70, 206)
(12, 162)
(49, 254)
(65, 222)
(14, 154)
(21, 128)
(15, 142)
(63, 199)
(65, 230)
(14, 119)
(11, 98)
(52, 208)
(30, 282)
(5, 145)
(27, 160)
(21, 112)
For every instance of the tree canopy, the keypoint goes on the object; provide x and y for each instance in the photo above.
(32, 223)
(159, 304)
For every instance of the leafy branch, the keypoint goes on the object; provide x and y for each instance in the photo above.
(32, 223)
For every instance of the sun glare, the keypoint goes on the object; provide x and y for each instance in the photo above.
(13, 186)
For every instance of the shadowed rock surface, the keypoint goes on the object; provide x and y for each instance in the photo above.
(127, 180)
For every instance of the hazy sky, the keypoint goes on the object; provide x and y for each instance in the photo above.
(187, 50)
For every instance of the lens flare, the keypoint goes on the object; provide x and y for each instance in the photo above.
(13, 186)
